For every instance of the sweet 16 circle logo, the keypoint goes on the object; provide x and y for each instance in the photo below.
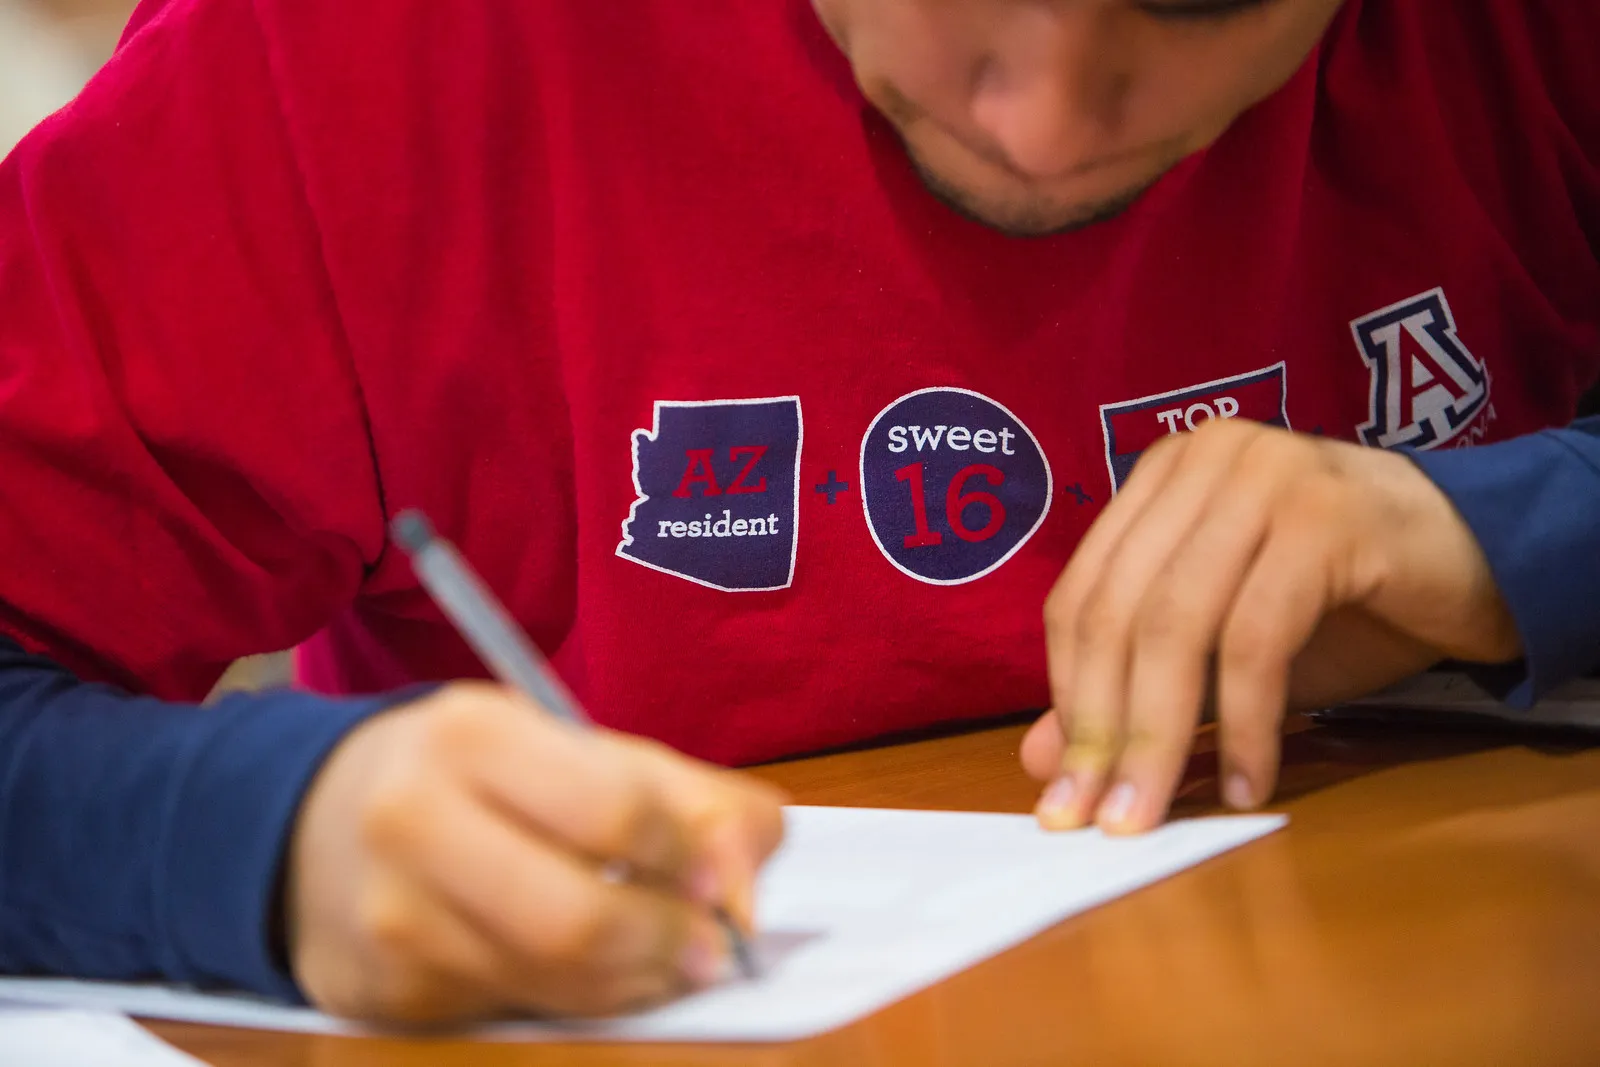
(953, 484)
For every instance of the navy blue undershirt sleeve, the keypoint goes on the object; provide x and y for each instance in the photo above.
(1534, 505)
(143, 839)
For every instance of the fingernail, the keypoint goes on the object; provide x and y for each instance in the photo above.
(1116, 808)
(1238, 793)
(1056, 803)
(703, 957)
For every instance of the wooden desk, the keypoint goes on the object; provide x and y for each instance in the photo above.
(1436, 900)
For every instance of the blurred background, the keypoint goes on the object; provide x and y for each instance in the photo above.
(48, 50)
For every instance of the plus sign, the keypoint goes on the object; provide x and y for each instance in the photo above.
(833, 486)
(1079, 492)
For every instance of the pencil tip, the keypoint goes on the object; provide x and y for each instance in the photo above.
(740, 947)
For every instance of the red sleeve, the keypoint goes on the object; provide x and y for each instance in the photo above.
(185, 470)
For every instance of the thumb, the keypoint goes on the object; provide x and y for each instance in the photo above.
(1042, 748)
(733, 849)
(734, 822)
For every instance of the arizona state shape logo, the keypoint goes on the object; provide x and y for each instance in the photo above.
(718, 493)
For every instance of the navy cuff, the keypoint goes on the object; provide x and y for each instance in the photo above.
(232, 814)
(1534, 505)
(141, 839)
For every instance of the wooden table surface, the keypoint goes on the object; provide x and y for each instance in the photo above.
(1435, 900)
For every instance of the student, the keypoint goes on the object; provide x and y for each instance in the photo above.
(654, 314)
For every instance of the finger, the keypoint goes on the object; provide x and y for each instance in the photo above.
(567, 784)
(1276, 612)
(549, 911)
(733, 822)
(418, 964)
(428, 964)
(1076, 776)
(1175, 635)
(1143, 486)
(1041, 748)
(636, 945)
(608, 987)
(1089, 559)
(1097, 701)
(435, 963)
(467, 975)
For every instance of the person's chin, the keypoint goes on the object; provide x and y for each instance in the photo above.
(1024, 214)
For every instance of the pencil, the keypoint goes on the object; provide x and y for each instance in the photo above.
(506, 650)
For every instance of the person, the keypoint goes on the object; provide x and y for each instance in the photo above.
(772, 450)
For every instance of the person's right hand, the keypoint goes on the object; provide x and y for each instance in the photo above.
(448, 863)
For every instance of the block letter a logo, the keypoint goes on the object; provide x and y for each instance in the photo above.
(1426, 386)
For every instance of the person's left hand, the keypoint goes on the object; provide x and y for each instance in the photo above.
(1261, 569)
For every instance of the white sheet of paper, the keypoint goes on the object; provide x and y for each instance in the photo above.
(859, 908)
(48, 1037)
